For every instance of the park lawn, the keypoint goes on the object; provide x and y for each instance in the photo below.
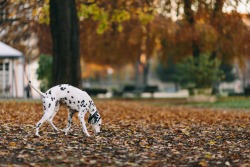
(134, 133)
(221, 103)
(226, 103)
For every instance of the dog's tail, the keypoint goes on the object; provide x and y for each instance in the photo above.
(38, 91)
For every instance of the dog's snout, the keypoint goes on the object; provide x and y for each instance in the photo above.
(97, 133)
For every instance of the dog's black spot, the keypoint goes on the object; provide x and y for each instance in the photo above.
(63, 88)
(91, 103)
(46, 93)
(78, 101)
(38, 125)
(72, 97)
(49, 105)
(50, 92)
(65, 98)
(52, 98)
(74, 102)
(94, 118)
(69, 102)
(68, 92)
(57, 102)
(29, 81)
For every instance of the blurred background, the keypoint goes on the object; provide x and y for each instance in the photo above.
(128, 48)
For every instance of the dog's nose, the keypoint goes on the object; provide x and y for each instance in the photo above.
(97, 133)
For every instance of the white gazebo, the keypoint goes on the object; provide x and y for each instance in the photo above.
(11, 72)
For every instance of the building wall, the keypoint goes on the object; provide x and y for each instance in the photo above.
(12, 77)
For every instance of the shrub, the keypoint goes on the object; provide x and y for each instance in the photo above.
(44, 71)
(201, 72)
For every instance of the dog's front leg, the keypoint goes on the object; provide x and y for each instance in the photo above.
(67, 128)
(81, 115)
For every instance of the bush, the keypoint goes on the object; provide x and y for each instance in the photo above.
(201, 72)
(44, 71)
(166, 72)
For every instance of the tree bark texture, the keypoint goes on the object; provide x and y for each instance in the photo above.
(64, 27)
(189, 15)
(215, 21)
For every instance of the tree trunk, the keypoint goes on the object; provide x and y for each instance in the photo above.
(189, 16)
(215, 21)
(65, 36)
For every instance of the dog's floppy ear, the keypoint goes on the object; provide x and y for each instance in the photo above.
(94, 118)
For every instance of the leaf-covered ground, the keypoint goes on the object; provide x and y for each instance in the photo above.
(133, 134)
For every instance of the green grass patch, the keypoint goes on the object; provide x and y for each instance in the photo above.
(230, 103)
(225, 102)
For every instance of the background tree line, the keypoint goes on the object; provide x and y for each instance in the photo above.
(115, 33)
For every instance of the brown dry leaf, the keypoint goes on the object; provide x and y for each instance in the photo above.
(203, 163)
(212, 142)
(185, 132)
(12, 144)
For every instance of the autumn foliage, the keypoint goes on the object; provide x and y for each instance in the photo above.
(115, 32)
(133, 134)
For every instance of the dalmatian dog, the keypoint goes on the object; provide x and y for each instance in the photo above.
(76, 101)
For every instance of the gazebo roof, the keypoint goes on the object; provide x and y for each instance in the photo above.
(8, 52)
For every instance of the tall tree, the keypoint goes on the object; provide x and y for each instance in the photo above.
(189, 16)
(205, 27)
(65, 36)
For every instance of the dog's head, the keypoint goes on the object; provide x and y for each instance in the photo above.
(96, 121)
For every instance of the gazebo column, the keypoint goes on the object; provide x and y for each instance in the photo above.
(3, 81)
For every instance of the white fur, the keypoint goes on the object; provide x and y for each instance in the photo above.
(76, 100)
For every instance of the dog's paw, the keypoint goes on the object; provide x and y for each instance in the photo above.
(37, 135)
(88, 135)
(66, 130)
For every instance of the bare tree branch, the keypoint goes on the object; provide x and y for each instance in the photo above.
(88, 3)
(2, 2)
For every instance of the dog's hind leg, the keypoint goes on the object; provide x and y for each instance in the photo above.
(50, 120)
(42, 120)
(48, 113)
